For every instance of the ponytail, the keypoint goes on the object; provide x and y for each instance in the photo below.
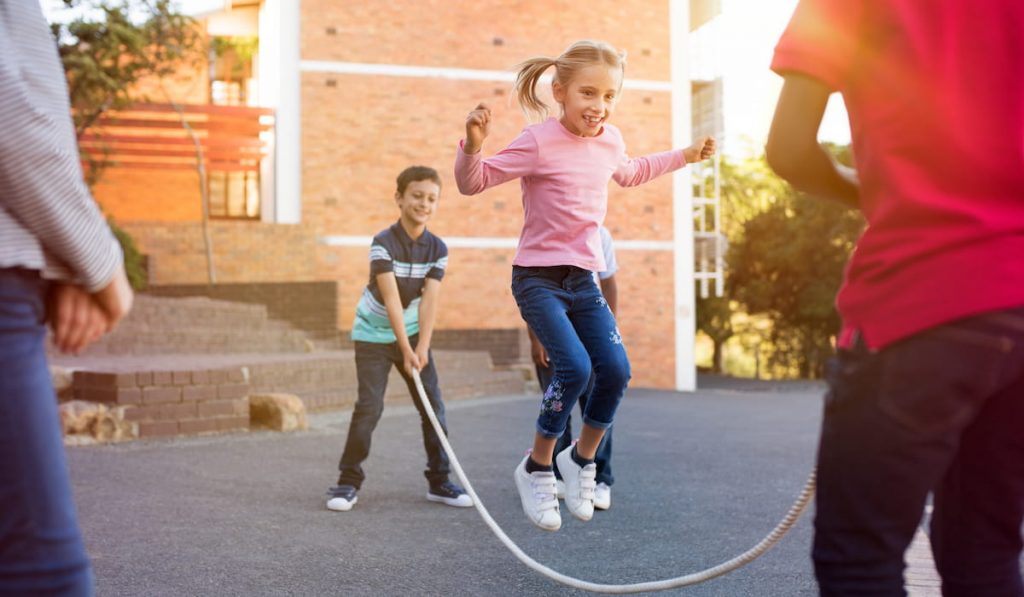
(525, 87)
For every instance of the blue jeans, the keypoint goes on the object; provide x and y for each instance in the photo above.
(373, 364)
(941, 412)
(41, 550)
(565, 309)
(603, 456)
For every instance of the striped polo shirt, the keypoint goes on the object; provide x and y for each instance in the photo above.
(412, 261)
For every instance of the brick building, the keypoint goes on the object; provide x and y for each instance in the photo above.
(359, 90)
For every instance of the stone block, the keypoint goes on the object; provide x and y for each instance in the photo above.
(279, 412)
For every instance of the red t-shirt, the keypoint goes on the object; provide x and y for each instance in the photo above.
(935, 94)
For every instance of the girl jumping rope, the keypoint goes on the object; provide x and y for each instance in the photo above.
(564, 165)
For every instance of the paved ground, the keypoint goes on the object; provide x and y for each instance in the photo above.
(700, 478)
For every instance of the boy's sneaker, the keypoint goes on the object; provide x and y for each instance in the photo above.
(602, 497)
(560, 487)
(579, 485)
(450, 494)
(537, 494)
(341, 498)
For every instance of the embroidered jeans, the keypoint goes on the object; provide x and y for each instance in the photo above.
(565, 309)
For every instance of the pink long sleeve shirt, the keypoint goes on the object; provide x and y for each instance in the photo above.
(564, 178)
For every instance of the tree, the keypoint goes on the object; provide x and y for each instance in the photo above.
(747, 187)
(788, 265)
(111, 47)
(106, 52)
(714, 318)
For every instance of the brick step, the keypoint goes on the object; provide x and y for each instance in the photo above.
(188, 339)
(322, 380)
(198, 310)
(160, 325)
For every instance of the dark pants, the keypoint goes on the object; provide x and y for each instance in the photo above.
(373, 364)
(942, 412)
(603, 456)
(41, 550)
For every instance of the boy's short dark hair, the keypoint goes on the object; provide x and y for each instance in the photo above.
(414, 173)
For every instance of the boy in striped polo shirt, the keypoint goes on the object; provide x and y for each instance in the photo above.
(393, 325)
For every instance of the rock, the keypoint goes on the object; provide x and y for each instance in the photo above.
(77, 416)
(279, 412)
(89, 422)
(62, 382)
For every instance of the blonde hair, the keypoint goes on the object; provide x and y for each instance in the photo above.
(575, 58)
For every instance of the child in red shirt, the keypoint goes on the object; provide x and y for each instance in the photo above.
(927, 392)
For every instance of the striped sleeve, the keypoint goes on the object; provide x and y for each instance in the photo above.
(42, 192)
(441, 264)
(380, 259)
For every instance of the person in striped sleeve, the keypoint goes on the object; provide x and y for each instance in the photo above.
(61, 266)
(393, 326)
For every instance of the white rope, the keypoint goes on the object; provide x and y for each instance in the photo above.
(658, 585)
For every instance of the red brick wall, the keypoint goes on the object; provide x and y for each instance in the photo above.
(462, 34)
(359, 131)
(242, 251)
(134, 195)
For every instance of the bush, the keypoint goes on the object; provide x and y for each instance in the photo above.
(134, 261)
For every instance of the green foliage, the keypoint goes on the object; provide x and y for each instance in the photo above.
(114, 46)
(714, 318)
(242, 48)
(747, 187)
(106, 53)
(787, 265)
(134, 262)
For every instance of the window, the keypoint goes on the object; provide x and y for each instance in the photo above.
(234, 194)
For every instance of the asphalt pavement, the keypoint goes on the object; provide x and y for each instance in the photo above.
(700, 478)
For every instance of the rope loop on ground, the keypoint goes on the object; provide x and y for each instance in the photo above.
(744, 558)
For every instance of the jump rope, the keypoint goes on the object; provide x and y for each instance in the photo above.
(744, 558)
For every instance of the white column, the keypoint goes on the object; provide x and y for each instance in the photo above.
(280, 88)
(682, 201)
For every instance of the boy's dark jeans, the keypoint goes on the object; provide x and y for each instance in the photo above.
(603, 456)
(373, 363)
(942, 412)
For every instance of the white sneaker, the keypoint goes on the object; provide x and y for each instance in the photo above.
(602, 497)
(537, 493)
(560, 485)
(579, 485)
(450, 494)
(341, 498)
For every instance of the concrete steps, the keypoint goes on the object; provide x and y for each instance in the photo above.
(179, 366)
(198, 325)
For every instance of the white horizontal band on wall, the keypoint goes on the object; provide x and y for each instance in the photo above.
(432, 72)
(481, 242)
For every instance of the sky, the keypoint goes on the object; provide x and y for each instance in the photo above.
(738, 46)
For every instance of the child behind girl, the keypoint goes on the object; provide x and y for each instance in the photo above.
(564, 165)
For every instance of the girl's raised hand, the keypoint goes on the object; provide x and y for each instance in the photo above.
(702, 149)
(477, 128)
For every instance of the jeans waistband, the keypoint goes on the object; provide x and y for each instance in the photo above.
(19, 280)
(557, 273)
